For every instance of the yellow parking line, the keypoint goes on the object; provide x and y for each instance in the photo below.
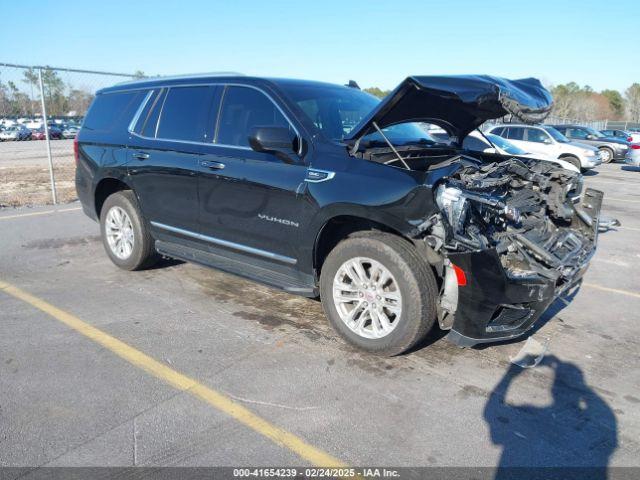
(179, 381)
(45, 212)
(612, 290)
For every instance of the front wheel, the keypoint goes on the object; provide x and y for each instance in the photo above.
(378, 293)
(606, 154)
(125, 234)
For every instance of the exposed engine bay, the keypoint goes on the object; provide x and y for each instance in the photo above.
(531, 212)
(537, 216)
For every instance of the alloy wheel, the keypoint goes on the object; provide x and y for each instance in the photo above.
(119, 233)
(367, 297)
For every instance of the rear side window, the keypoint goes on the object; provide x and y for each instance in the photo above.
(110, 110)
(184, 114)
(242, 109)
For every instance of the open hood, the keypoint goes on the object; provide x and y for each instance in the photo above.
(458, 103)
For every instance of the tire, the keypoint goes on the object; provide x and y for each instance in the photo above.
(607, 154)
(411, 276)
(142, 253)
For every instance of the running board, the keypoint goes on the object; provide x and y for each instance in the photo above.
(235, 264)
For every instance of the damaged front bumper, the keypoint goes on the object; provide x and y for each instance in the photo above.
(496, 305)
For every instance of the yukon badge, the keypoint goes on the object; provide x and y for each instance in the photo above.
(283, 221)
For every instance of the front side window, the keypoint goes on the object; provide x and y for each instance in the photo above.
(515, 133)
(505, 145)
(537, 136)
(576, 133)
(244, 108)
(557, 136)
(184, 114)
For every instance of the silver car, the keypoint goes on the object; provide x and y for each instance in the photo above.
(546, 140)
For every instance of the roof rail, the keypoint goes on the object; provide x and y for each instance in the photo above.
(183, 76)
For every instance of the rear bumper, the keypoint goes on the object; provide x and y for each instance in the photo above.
(494, 306)
(633, 158)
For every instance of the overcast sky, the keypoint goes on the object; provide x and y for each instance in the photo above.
(377, 43)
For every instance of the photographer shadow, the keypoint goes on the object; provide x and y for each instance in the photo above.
(573, 437)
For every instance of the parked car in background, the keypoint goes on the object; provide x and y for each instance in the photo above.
(611, 148)
(476, 142)
(546, 140)
(633, 155)
(54, 133)
(70, 131)
(17, 133)
(632, 137)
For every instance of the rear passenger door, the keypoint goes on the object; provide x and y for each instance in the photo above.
(165, 150)
(250, 202)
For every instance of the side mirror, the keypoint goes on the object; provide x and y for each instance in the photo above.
(273, 140)
(547, 141)
(590, 137)
(489, 150)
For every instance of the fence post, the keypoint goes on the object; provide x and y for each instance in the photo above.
(46, 136)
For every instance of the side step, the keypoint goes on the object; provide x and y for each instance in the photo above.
(239, 265)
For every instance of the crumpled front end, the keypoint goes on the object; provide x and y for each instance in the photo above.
(514, 235)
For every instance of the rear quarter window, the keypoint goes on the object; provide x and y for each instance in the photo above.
(112, 110)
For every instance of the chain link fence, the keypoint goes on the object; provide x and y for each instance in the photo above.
(36, 156)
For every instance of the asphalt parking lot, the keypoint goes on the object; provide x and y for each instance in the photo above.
(185, 366)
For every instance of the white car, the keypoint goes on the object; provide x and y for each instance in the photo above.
(633, 155)
(546, 140)
(476, 142)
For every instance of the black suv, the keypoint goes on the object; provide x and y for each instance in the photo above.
(322, 190)
(611, 148)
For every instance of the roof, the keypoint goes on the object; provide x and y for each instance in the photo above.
(206, 78)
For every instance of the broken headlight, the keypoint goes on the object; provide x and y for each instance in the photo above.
(453, 204)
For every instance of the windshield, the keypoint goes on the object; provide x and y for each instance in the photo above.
(557, 136)
(504, 144)
(337, 110)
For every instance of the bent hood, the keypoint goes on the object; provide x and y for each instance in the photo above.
(458, 103)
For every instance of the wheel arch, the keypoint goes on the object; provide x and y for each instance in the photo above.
(342, 226)
(105, 187)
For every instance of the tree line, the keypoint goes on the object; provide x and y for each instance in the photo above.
(570, 100)
(62, 99)
(583, 103)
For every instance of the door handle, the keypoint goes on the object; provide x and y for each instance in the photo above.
(213, 165)
(140, 155)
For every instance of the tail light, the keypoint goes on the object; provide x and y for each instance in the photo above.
(635, 146)
(629, 139)
(76, 150)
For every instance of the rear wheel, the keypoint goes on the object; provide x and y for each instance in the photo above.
(378, 293)
(125, 234)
